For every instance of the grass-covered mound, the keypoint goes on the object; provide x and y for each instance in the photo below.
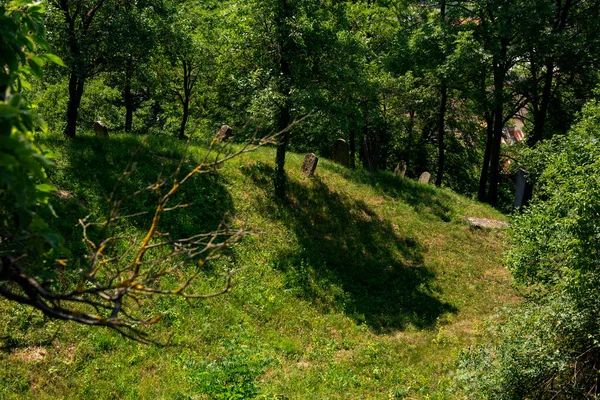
(360, 285)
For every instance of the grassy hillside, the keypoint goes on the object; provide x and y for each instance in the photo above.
(358, 286)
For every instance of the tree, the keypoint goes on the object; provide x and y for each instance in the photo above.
(118, 278)
(135, 42)
(78, 30)
(24, 188)
(561, 49)
(549, 347)
(287, 43)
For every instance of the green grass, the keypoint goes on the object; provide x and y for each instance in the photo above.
(359, 286)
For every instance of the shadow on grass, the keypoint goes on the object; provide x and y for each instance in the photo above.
(425, 199)
(88, 168)
(350, 258)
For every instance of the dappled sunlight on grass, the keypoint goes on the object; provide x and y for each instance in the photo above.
(343, 242)
(359, 285)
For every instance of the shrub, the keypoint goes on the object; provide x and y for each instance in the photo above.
(549, 347)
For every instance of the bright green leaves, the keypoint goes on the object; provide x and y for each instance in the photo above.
(559, 235)
(24, 188)
(548, 346)
(22, 32)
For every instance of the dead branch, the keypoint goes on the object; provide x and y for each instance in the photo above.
(124, 273)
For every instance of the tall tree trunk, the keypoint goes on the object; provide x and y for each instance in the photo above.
(540, 112)
(499, 77)
(284, 111)
(279, 179)
(185, 96)
(483, 179)
(441, 126)
(186, 111)
(282, 123)
(75, 93)
(352, 148)
(128, 98)
(442, 114)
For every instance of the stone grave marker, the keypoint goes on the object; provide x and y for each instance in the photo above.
(340, 152)
(520, 185)
(224, 133)
(424, 178)
(100, 129)
(309, 165)
(400, 169)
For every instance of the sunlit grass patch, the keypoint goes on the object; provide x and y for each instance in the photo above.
(359, 285)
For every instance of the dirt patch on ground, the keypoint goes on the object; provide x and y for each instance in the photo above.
(63, 194)
(486, 223)
(30, 354)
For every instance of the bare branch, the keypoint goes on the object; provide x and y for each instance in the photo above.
(122, 272)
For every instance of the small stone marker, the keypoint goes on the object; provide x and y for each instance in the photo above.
(486, 223)
(340, 152)
(309, 165)
(100, 129)
(424, 178)
(520, 186)
(400, 169)
(224, 133)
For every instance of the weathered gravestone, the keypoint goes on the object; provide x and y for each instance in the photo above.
(340, 152)
(400, 169)
(309, 165)
(520, 189)
(424, 178)
(100, 129)
(224, 133)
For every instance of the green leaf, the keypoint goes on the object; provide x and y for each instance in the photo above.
(53, 58)
(45, 188)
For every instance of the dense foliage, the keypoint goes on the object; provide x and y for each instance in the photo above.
(24, 187)
(550, 347)
(120, 269)
(430, 83)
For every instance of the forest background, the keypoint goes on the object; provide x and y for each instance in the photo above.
(429, 83)
(434, 84)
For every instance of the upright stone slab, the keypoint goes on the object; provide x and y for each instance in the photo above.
(400, 169)
(309, 165)
(340, 152)
(224, 133)
(520, 186)
(100, 129)
(424, 178)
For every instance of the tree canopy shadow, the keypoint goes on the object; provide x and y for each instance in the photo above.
(424, 199)
(92, 167)
(350, 258)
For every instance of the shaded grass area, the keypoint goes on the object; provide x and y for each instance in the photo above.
(359, 285)
(381, 274)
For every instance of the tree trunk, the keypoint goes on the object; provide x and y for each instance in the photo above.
(128, 98)
(186, 110)
(279, 179)
(442, 114)
(75, 93)
(352, 148)
(282, 123)
(541, 112)
(441, 126)
(499, 76)
(483, 179)
(284, 111)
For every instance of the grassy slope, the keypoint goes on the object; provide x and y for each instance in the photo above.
(358, 286)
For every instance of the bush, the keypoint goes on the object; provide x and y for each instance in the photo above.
(549, 347)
